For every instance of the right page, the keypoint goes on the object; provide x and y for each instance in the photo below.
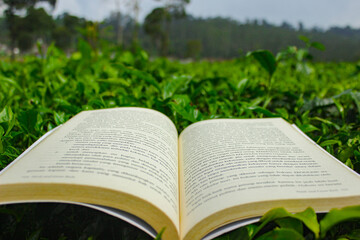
(231, 169)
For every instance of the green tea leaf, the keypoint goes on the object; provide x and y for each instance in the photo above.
(330, 142)
(318, 46)
(283, 112)
(304, 39)
(11, 82)
(7, 119)
(336, 216)
(6, 114)
(308, 128)
(271, 215)
(59, 118)
(340, 108)
(173, 84)
(241, 85)
(291, 223)
(116, 81)
(159, 235)
(349, 163)
(309, 218)
(189, 113)
(266, 60)
(264, 111)
(28, 119)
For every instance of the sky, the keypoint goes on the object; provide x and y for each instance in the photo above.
(319, 13)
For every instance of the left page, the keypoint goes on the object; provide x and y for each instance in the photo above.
(124, 158)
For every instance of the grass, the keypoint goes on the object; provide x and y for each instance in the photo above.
(37, 93)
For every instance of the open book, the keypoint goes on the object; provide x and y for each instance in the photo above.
(215, 173)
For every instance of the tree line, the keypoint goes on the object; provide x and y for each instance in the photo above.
(168, 31)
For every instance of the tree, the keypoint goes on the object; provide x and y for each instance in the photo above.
(153, 26)
(67, 31)
(14, 22)
(157, 23)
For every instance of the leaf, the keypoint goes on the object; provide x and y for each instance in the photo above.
(61, 78)
(283, 112)
(271, 215)
(11, 82)
(327, 122)
(159, 235)
(59, 118)
(336, 216)
(340, 108)
(7, 119)
(182, 100)
(266, 60)
(189, 113)
(356, 97)
(241, 85)
(309, 218)
(116, 81)
(308, 128)
(330, 142)
(349, 164)
(27, 120)
(141, 75)
(318, 46)
(264, 111)
(321, 103)
(6, 114)
(281, 234)
(346, 154)
(173, 84)
(304, 39)
(291, 223)
(181, 105)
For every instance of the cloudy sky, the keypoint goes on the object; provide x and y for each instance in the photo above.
(320, 13)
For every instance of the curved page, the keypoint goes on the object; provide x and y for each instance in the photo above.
(129, 150)
(229, 163)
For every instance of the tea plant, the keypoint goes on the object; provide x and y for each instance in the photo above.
(38, 93)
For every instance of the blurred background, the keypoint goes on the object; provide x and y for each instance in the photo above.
(183, 29)
(75, 55)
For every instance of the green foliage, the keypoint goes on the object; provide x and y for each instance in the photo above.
(336, 216)
(41, 92)
(266, 60)
(280, 224)
(23, 30)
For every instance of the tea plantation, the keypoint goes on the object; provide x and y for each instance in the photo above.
(38, 93)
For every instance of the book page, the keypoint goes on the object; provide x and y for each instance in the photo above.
(229, 162)
(131, 150)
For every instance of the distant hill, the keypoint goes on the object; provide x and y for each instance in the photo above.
(226, 38)
(212, 38)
